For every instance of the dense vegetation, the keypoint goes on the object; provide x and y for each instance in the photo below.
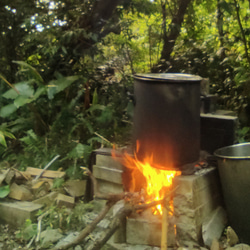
(66, 68)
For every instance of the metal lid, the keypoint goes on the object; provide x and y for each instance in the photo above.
(168, 77)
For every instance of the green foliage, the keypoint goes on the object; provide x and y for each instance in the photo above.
(4, 191)
(71, 90)
(28, 231)
(58, 182)
(5, 132)
(67, 219)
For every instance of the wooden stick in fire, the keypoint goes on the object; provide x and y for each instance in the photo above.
(164, 232)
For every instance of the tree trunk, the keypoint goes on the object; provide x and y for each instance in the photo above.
(174, 30)
(220, 24)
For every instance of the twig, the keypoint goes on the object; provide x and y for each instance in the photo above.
(116, 221)
(31, 241)
(46, 167)
(103, 138)
(89, 228)
(22, 174)
(39, 225)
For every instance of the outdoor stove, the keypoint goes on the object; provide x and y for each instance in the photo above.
(196, 197)
(166, 137)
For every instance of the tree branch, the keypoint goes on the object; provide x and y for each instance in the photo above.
(175, 28)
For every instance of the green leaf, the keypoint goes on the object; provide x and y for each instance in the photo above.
(76, 152)
(23, 88)
(33, 70)
(41, 90)
(10, 94)
(226, 6)
(95, 97)
(56, 86)
(7, 110)
(9, 135)
(2, 139)
(97, 107)
(58, 182)
(22, 100)
(29, 232)
(4, 191)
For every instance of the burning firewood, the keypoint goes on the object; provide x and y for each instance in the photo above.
(132, 204)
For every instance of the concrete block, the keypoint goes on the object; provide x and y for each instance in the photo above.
(195, 198)
(109, 187)
(65, 200)
(217, 131)
(108, 174)
(147, 231)
(108, 161)
(47, 200)
(16, 213)
(104, 159)
(75, 188)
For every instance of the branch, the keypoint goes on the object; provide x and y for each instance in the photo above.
(125, 211)
(175, 27)
(236, 4)
(89, 228)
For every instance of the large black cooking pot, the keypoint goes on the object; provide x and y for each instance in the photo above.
(167, 118)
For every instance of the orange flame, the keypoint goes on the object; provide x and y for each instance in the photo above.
(158, 179)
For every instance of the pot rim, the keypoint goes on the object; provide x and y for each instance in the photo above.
(224, 151)
(168, 77)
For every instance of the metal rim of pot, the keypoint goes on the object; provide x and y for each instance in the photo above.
(168, 77)
(227, 152)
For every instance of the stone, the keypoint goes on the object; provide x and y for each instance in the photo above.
(3, 175)
(65, 200)
(10, 175)
(40, 188)
(213, 226)
(20, 192)
(232, 237)
(47, 200)
(49, 237)
(239, 247)
(215, 245)
(120, 235)
(16, 213)
(78, 247)
(69, 238)
(75, 188)
(108, 174)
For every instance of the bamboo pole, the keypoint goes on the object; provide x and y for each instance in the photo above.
(164, 231)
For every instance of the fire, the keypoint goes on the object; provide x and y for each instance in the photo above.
(157, 179)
